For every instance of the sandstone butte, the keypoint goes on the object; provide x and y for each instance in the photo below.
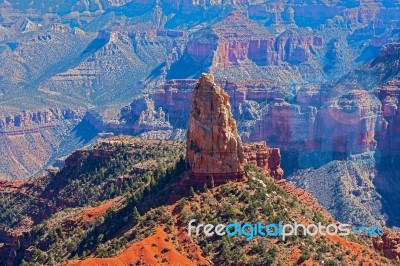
(214, 148)
(215, 152)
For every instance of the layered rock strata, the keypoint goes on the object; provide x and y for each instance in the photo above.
(236, 40)
(36, 118)
(389, 94)
(351, 123)
(340, 121)
(389, 245)
(268, 159)
(286, 125)
(214, 148)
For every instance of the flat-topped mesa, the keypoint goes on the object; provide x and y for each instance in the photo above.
(214, 148)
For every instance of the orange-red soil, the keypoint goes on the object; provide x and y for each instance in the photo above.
(149, 251)
(91, 214)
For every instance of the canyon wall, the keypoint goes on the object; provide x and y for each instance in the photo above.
(286, 125)
(174, 98)
(36, 118)
(389, 94)
(312, 13)
(305, 13)
(237, 40)
(29, 139)
(339, 121)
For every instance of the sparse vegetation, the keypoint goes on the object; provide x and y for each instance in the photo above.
(141, 209)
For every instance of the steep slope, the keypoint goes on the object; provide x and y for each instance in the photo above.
(64, 68)
(153, 250)
(41, 57)
(112, 66)
(346, 189)
(33, 140)
(28, 152)
(116, 169)
(379, 70)
(252, 202)
(69, 215)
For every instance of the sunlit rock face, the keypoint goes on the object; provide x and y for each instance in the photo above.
(268, 159)
(214, 148)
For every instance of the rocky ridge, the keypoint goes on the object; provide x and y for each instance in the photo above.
(268, 159)
(389, 245)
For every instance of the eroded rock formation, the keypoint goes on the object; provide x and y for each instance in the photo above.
(236, 40)
(214, 148)
(152, 119)
(389, 245)
(287, 125)
(337, 120)
(389, 95)
(31, 118)
(268, 159)
(351, 124)
(174, 98)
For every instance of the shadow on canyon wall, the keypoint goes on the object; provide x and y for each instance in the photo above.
(388, 186)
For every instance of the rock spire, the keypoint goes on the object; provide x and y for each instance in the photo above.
(214, 148)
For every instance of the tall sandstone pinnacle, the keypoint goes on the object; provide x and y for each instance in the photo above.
(214, 148)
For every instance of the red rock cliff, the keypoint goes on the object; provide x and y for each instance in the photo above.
(214, 148)
(269, 159)
(237, 40)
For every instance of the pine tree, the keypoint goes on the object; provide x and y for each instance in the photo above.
(192, 193)
(136, 214)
